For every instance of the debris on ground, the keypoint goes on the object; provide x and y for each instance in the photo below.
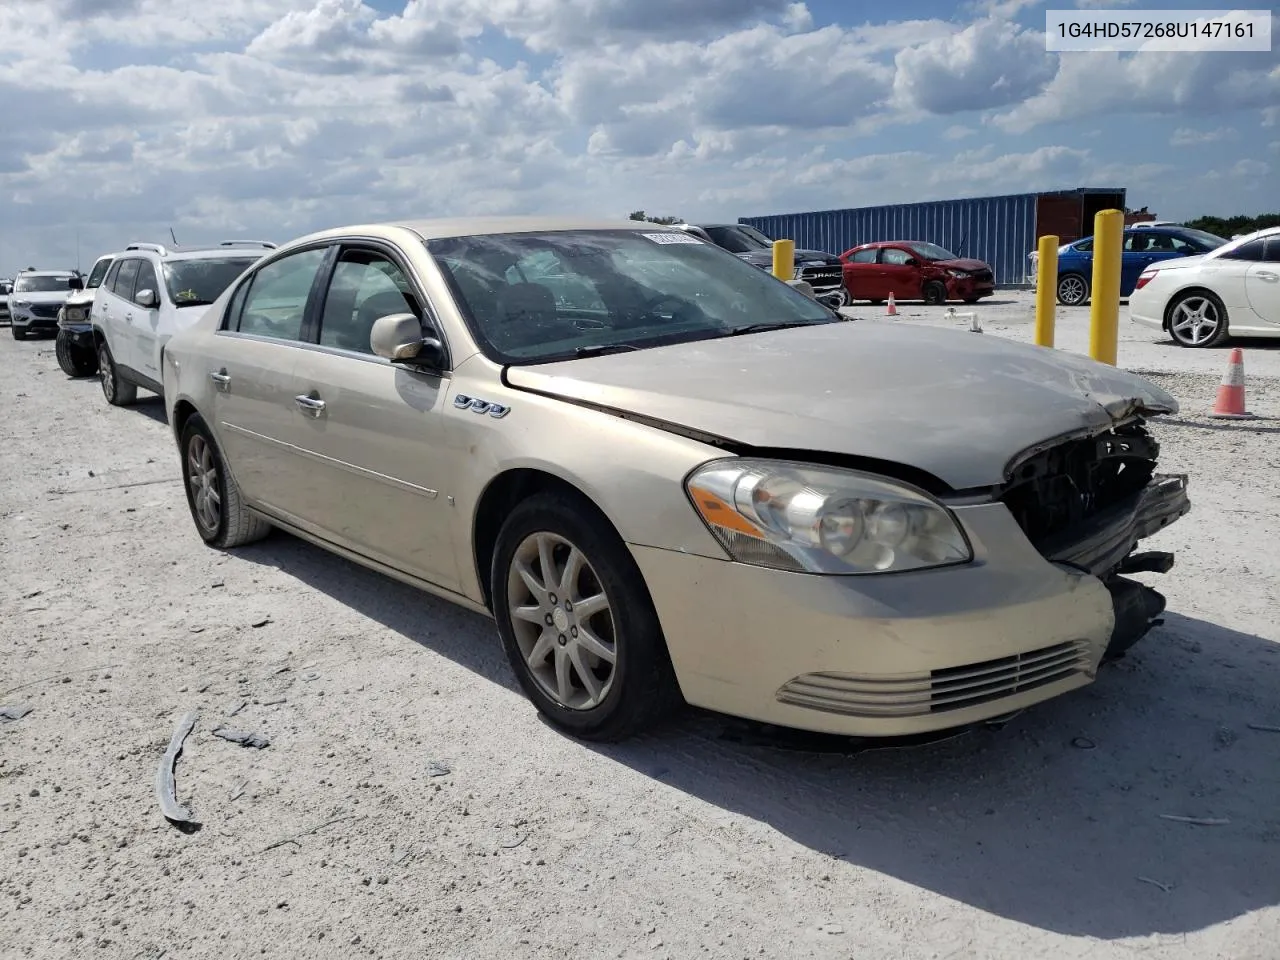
(238, 792)
(166, 789)
(306, 833)
(244, 738)
(436, 768)
(308, 677)
(1166, 887)
(15, 712)
(260, 623)
(237, 708)
(1083, 743)
(1265, 727)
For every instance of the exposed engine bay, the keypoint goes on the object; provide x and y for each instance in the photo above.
(1087, 503)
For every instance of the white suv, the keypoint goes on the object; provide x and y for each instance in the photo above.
(150, 293)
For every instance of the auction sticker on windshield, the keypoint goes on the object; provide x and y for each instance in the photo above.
(671, 237)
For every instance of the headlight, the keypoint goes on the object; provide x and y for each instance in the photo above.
(958, 274)
(75, 314)
(792, 516)
(21, 303)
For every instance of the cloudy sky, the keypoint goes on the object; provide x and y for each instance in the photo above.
(269, 118)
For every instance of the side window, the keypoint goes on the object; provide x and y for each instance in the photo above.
(231, 320)
(894, 257)
(277, 297)
(1272, 254)
(112, 273)
(1085, 246)
(97, 273)
(1137, 242)
(125, 278)
(1250, 251)
(146, 279)
(365, 286)
(865, 256)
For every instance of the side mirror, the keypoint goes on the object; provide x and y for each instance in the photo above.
(912, 262)
(147, 299)
(75, 283)
(398, 337)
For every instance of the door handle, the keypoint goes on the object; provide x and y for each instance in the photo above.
(1267, 275)
(312, 406)
(221, 380)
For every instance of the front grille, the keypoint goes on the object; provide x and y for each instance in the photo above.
(1071, 483)
(983, 276)
(940, 691)
(47, 310)
(822, 277)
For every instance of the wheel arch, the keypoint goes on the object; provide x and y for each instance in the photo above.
(500, 497)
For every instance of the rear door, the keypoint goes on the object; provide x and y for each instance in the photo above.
(897, 275)
(861, 274)
(1141, 248)
(370, 433)
(253, 372)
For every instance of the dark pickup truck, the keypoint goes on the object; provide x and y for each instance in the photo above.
(822, 271)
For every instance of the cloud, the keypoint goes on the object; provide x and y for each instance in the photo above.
(1187, 137)
(957, 132)
(1249, 168)
(990, 63)
(1183, 83)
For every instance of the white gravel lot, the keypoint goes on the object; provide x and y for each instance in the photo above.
(694, 842)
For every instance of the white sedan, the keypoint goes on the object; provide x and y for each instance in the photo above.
(1200, 301)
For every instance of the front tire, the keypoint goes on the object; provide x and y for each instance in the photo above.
(218, 509)
(577, 622)
(19, 333)
(1073, 290)
(74, 361)
(1198, 319)
(118, 391)
(935, 293)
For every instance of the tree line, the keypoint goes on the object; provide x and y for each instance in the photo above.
(1230, 226)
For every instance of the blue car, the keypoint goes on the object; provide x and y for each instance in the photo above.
(1143, 246)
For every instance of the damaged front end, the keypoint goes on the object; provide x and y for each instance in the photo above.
(1087, 502)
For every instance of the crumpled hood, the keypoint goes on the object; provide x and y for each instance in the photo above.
(956, 405)
(962, 263)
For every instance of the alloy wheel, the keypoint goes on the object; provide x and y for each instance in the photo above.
(562, 620)
(1071, 290)
(106, 374)
(1195, 321)
(202, 479)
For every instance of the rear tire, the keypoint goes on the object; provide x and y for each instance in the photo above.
(553, 648)
(74, 361)
(118, 391)
(935, 293)
(1198, 319)
(1073, 290)
(217, 508)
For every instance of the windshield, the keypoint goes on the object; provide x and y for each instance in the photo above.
(931, 251)
(195, 283)
(535, 297)
(1209, 241)
(739, 239)
(42, 284)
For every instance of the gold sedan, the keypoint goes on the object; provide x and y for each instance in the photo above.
(671, 478)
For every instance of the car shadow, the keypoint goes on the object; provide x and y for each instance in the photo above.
(152, 406)
(1056, 820)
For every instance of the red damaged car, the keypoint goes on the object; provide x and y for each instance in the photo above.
(914, 270)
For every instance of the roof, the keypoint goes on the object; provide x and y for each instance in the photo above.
(250, 248)
(46, 273)
(479, 226)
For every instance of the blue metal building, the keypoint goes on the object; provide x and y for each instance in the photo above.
(1000, 230)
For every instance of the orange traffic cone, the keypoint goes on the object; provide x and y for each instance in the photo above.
(892, 309)
(1230, 404)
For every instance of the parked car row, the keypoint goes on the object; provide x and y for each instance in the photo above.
(653, 465)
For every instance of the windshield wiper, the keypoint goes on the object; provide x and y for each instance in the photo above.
(195, 303)
(766, 327)
(601, 349)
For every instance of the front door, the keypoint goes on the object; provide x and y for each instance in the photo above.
(897, 275)
(370, 433)
(143, 321)
(861, 274)
(1262, 283)
(252, 369)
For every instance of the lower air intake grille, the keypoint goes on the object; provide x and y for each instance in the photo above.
(953, 688)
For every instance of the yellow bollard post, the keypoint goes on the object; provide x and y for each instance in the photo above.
(1104, 314)
(1046, 289)
(784, 259)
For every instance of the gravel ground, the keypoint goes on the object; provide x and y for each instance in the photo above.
(1042, 838)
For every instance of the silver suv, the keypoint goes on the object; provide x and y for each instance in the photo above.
(150, 293)
(36, 299)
